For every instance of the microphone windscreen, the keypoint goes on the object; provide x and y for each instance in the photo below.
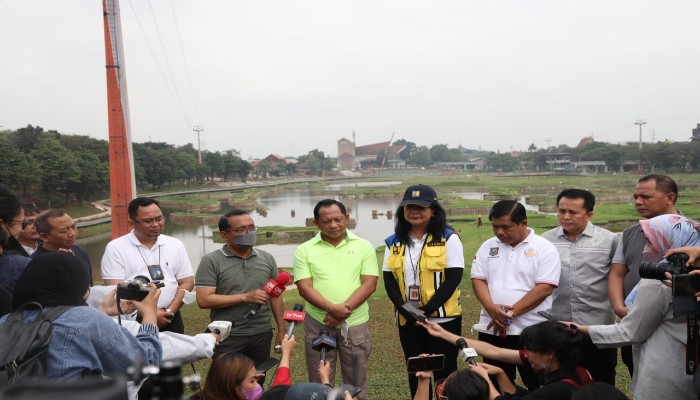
(283, 278)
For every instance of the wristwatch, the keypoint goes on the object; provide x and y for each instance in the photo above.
(168, 310)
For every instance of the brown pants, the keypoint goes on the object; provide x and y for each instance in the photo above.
(353, 354)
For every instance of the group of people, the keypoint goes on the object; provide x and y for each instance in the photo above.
(548, 302)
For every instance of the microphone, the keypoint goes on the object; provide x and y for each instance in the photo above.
(273, 287)
(467, 354)
(294, 317)
(221, 328)
(323, 343)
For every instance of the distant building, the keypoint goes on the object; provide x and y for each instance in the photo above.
(696, 134)
(359, 157)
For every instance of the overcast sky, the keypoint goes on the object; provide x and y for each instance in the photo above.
(289, 76)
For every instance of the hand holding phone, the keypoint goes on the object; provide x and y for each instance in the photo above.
(431, 362)
(265, 365)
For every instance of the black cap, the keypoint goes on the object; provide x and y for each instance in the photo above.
(421, 195)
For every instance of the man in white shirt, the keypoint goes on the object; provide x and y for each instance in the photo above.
(513, 276)
(146, 251)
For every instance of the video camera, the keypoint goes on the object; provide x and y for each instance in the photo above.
(135, 289)
(167, 381)
(684, 284)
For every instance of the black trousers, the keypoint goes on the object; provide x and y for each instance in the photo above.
(600, 363)
(257, 347)
(415, 340)
(626, 353)
(527, 375)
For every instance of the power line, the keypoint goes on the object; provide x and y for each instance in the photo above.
(184, 61)
(155, 59)
(167, 64)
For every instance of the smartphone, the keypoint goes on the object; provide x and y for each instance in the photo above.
(155, 272)
(432, 362)
(265, 365)
(416, 313)
(546, 314)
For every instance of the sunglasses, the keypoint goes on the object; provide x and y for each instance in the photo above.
(25, 222)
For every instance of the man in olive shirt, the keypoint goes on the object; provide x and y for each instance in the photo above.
(229, 282)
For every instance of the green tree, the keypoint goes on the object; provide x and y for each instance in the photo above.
(18, 168)
(56, 165)
(421, 157)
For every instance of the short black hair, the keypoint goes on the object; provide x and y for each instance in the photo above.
(328, 203)
(664, 184)
(41, 223)
(10, 205)
(512, 208)
(31, 209)
(140, 202)
(588, 197)
(223, 221)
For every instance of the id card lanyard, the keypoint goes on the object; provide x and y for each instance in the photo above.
(413, 295)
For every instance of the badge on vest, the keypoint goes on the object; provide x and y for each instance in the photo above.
(435, 244)
(493, 251)
(395, 249)
(414, 294)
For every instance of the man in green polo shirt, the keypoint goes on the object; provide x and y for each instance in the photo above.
(229, 282)
(336, 272)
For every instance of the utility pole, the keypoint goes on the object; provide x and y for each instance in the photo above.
(640, 122)
(198, 129)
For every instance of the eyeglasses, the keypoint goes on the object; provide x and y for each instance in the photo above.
(244, 229)
(25, 223)
(439, 386)
(149, 221)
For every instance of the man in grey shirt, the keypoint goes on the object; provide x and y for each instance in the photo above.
(654, 195)
(586, 253)
(229, 282)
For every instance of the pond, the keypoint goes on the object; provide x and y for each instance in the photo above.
(369, 211)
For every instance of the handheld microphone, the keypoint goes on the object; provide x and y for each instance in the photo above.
(273, 287)
(323, 343)
(221, 328)
(467, 354)
(294, 317)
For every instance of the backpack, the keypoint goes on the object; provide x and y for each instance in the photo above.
(23, 345)
(583, 375)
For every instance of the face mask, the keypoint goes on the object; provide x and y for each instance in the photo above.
(541, 368)
(248, 239)
(254, 394)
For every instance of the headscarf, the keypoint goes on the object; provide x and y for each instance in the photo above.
(52, 279)
(669, 231)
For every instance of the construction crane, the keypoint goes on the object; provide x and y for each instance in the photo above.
(386, 152)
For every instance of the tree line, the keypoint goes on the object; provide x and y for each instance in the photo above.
(46, 165)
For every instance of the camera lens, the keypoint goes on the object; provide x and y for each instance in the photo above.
(650, 270)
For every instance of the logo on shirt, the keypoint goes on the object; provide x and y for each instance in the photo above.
(493, 251)
(530, 252)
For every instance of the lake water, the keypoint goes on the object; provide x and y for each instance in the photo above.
(279, 206)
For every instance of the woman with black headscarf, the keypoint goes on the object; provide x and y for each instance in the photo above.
(84, 341)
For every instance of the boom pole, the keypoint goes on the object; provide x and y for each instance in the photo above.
(121, 165)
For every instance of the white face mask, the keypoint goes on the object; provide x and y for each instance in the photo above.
(541, 368)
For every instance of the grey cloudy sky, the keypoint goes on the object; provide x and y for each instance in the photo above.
(289, 76)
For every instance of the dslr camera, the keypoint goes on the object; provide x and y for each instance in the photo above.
(135, 289)
(684, 285)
